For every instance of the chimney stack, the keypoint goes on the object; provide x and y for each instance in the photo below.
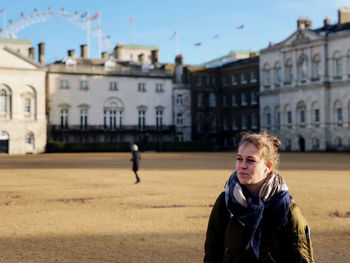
(326, 22)
(104, 55)
(179, 59)
(142, 58)
(252, 54)
(304, 23)
(83, 51)
(41, 54)
(31, 53)
(343, 15)
(155, 56)
(71, 53)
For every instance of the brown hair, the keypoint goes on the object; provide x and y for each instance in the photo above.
(267, 146)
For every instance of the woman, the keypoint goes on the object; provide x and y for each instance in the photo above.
(255, 218)
(135, 158)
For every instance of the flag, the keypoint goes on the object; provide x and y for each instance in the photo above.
(131, 19)
(2, 10)
(197, 44)
(173, 35)
(240, 27)
(84, 14)
(216, 36)
(95, 16)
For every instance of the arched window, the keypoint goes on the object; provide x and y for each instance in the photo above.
(288, 115)
(337, 64)
(302, 68)
(316, 67)
(338, 143)
(113, 113)
(301, 113)
(3, 102)
(288, 74)
(338, 112)
(278, 73)
(315, 113)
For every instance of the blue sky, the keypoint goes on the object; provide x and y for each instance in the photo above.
(156, 20)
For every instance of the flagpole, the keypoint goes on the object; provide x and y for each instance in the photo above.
(88, 34)
(4, 20)
(99, 34)
(177, 41)
(132, 32)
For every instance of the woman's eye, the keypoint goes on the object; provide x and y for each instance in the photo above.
(239, 159)
(251, 161)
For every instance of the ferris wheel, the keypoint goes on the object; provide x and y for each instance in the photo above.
(83, 21)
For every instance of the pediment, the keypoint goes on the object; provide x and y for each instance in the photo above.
(300, 37)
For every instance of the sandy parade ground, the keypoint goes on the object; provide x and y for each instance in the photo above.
(86, 208)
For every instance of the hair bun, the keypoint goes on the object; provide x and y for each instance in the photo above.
(276, 142)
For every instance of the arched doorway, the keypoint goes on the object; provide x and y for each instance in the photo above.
(4, 142)
(301, 144)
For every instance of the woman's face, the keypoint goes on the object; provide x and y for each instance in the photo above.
(251, 168)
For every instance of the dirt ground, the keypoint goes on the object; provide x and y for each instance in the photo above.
(86, 208)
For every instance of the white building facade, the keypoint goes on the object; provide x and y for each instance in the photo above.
(104, 101)
(305, 87)
(22, 99)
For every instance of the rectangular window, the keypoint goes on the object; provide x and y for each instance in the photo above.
(212, 100)
(278, 121)
(159, 119)
(112, 119)
(253, 98)
(27, 109)
(159, 87)
(64, 118)
(243, 78)
(302, 116)
(268, 119)
(179, 119)
(234, 80)
(224, 81)
(235, 101)
(198, 80)
(199, 99)
(142, 87)
(317, 115)
(339, 115)
(179, 100)
(3, 101)
(289, 117)
(254, 120)
(244, 99)
(113, 85)
(83, 118)
(244, 121)
(64, 84)
(213, 80)
(234, 122)
(142, 119)
(84, 85)
(105, 118)
(252, 77)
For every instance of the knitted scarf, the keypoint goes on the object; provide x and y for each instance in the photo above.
(271, 206)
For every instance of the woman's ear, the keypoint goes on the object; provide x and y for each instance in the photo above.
(270, 167)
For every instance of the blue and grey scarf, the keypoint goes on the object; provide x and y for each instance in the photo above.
(271, 206)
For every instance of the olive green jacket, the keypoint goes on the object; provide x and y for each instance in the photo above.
(224, 238)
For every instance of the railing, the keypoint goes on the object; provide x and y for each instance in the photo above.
(124, 128)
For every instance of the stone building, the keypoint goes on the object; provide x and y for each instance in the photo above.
(305, 87)
(109, 100)
(22, 98)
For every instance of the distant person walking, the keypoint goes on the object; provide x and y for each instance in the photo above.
(255, 219)
(135, 161)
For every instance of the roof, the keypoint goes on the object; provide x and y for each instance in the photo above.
(333, 28)
(137, 47)
(15, 41)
